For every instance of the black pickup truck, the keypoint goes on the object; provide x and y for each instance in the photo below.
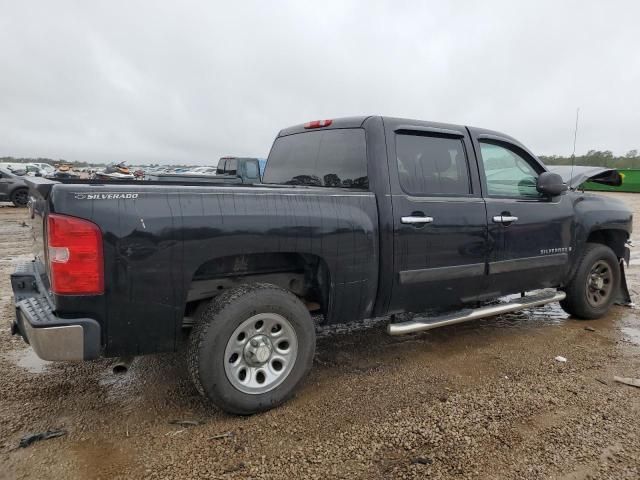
(356, 218)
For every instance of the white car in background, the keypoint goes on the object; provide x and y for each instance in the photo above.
(45, 168)
(202, 171)
(30, 169)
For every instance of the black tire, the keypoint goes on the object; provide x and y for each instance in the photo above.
(212, 335)
(20, 197)
(584, 299)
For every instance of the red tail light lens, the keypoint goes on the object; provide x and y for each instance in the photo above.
(318, 124)
(75, 256)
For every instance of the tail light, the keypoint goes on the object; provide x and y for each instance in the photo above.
(75, 256)
(318, 124)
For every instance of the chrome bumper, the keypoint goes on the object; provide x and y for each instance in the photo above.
(56, 343)
(51, 337)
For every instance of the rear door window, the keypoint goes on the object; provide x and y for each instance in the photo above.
(327, 158)
(432, 165)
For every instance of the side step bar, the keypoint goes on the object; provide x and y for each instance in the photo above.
(422, 324)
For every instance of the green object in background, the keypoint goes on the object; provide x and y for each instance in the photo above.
(630, 182)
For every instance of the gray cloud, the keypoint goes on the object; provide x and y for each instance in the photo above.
(191, 81)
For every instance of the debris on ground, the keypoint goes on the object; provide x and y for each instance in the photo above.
(601, 381)
(187, 423)
(422, 461)
(560, 359)
(222, 435)
(235, 468)
(590, 329)
(35, 437)
(634, 382)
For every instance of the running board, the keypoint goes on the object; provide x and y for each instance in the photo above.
(467, 315)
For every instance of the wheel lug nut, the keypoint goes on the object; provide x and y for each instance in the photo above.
(254, 343)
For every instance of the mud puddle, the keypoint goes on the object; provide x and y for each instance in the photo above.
(551, 314)
(28, 360)
(631, 334)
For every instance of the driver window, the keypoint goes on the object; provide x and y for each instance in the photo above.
(507, 173)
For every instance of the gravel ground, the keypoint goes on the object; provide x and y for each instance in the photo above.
(481, 400)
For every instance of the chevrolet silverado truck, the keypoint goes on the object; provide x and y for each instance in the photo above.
(355, 218)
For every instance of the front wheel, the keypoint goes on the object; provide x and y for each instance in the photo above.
(251, 347)
(595, 284)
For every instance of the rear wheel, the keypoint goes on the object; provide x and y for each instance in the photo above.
(20, 197)
(593, 288)
(251, 347)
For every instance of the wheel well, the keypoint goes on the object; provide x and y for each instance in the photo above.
(305, 275)
(614, 239)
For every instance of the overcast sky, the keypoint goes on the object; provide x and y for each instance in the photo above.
(187, 82)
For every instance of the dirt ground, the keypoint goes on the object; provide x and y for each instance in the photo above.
(479, 400)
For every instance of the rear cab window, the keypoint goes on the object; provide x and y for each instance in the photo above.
(326, 158)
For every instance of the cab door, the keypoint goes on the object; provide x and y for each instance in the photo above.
(530, 234)
(439, 217)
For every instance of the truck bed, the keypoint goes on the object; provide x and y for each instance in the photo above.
(158, 238)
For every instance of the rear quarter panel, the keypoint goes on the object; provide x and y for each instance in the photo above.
(156, 237)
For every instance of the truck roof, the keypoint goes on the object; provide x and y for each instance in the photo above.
(358, 121)
(344, 122)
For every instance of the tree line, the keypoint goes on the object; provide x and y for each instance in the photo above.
(597, 158)
(50, 161)
(74, 164)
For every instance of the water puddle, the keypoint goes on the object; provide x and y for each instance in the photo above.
(28, 360)
(632, 334)
(550, 314)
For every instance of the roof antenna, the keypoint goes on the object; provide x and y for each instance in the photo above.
(575, 137)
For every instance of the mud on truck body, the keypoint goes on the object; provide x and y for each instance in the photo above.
(356, 218)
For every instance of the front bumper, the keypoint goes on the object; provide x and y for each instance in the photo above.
(50, 336)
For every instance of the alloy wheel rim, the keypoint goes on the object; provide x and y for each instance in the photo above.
(22, 198)
(260, 353)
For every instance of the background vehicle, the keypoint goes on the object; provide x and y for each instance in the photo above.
(357, 218)
(248, 169)
(13, 188)
(114, 171)
(64, 171)
(232, 170)
(202, 171)
(27, 168)
(13, 165)
(45, 168)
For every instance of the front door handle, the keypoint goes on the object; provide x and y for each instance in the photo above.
(504, 219)
(416, 220)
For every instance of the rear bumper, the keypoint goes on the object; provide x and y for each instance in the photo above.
(50, 336)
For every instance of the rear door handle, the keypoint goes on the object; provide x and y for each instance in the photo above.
(504, 219)
(416, 220)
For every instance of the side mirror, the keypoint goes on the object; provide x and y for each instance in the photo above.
(550, 184)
